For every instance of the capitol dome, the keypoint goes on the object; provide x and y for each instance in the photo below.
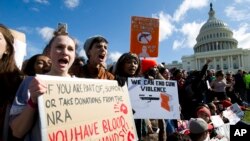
(215, 41)
(214, 35)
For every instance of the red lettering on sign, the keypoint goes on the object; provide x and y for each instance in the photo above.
(75, 133)
(113, 137)
(110, 125)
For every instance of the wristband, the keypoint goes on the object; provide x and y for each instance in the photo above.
(32, 104)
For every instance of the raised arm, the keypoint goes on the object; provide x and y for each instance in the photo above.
(205, 67)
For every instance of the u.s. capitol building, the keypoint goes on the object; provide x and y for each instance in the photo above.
(215, 41)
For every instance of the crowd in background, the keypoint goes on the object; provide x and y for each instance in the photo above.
(197, 101)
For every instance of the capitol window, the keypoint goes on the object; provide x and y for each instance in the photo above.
(235, 66)
(225, 66)
(218, 67)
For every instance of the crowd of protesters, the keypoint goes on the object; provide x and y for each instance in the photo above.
(202, 93)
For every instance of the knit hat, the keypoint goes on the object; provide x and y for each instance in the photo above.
(204, 110)
(146, 64)
(89, 41)
(198, 125)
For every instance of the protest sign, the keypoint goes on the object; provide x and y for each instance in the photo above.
(155, 99)
(85, 109)
(237, 110)
(224, 131)
(217, 120)
(208, 85)
(19, 46)
(144, 39)
(233, 113)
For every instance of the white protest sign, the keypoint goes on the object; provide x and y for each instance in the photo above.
(19, 46)
(85, 110)
(232, 117)
(208, 85)
(224, 131)
(237, 110)
(217, 120)
(20, 52)
(233, 113)
(155, 99)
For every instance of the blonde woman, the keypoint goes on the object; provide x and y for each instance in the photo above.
(24, 113)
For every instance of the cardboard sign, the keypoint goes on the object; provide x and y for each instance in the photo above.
(154, 99)
(144, 38)
(85, 110)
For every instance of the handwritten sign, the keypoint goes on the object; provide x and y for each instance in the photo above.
(85, 109)
(144, 38)
(156, 99)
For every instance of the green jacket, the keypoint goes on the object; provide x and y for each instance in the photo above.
(246, 79)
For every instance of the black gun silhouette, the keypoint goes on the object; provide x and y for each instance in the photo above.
(149, 97)
(145, 35)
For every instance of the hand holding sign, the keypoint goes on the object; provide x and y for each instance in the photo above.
(36, 88)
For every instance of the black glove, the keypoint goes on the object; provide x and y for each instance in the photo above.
(121, 80)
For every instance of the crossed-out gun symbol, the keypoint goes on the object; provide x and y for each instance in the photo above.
(145, 35)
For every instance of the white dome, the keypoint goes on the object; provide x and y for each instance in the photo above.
(214, 31)
(213, 22)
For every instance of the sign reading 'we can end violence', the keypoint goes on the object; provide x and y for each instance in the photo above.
(85, 109)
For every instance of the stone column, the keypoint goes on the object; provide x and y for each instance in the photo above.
(196, 63)
(214, 63)
(221, 63)
(231, 62)
(216, 46)
(238, 56)
(242, 61)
